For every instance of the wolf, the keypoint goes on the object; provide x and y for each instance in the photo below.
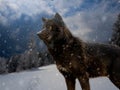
(77, 59)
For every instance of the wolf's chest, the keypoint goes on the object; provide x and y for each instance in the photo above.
(64, 69)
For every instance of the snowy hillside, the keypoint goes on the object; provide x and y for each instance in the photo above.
(46, 78)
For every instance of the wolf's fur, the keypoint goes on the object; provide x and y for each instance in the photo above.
(77, 59)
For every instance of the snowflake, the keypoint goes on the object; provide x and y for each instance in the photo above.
(3, 83)
(118, 1)
(104, 18)
(57, 74)
(3, 51)
(5, 41)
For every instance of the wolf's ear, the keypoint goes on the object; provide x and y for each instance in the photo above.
(58, 17)
(44, 19)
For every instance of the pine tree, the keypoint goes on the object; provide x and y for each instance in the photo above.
(33, 53)
(116, 32)
(3, 65)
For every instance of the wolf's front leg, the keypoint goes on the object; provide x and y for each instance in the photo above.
(84, 82)
(70, 82)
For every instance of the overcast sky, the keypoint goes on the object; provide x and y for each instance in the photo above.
(90, 20)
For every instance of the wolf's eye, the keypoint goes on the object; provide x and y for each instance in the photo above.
(50, 27)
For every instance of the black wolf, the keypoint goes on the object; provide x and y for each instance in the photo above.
(76, 59)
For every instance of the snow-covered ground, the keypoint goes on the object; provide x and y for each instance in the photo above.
(46, 78)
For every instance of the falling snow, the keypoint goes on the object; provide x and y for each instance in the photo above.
(104, 18)
(118, 1)
(81, 22)
(5, 41)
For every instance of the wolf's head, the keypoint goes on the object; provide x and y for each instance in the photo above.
(53, 30)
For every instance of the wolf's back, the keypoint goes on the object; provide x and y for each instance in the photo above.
(108, 54)
(101, 50)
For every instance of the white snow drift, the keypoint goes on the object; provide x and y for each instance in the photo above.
(46, 78)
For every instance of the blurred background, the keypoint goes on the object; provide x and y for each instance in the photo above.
(20, 48)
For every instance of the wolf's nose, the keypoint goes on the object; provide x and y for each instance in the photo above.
(38, 33)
